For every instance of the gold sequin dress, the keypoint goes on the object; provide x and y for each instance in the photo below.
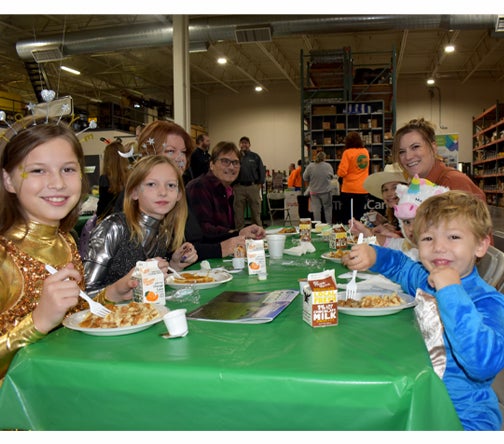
(22, 273)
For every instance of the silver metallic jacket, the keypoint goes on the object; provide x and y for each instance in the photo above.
(112, 254)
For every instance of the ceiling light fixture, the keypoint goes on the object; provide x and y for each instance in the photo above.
(258, 88)
(222, 60)
(430, 81)
(449, 48)
(70, 70)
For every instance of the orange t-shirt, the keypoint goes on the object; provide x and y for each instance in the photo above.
(354, 169)
(294, 179)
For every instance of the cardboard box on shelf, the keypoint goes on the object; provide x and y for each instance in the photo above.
(340, 126)
(326, 125)
(324, 110)
(327, 141)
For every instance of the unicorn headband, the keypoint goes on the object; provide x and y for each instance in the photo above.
(410, 197)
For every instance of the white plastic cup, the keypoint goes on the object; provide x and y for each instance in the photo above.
(276, 245)
(176, 322)
(238, 263)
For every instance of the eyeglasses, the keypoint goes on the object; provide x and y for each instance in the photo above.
(227, 162)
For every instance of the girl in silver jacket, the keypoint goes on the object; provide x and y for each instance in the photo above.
(150, 227)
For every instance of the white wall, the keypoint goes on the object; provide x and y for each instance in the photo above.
(272, 119)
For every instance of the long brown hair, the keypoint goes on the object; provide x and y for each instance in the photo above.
(173, 225)
(32, 133)
(115, 167)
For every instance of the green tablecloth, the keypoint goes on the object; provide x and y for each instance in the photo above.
(367, 373)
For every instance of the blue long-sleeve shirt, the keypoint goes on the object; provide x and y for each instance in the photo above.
(472, 315)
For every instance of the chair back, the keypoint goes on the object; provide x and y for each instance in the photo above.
(491, 267)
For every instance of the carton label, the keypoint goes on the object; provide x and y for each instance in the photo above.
(256, 258)
(151, 285)
(320, 297)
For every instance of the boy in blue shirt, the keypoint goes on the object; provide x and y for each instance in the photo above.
(452, 230)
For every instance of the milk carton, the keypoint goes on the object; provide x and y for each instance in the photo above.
(320, 297)
(151, 285)
(256, 258)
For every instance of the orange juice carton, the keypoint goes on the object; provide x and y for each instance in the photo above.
(151, 285)
(320, 299)
(256, 258)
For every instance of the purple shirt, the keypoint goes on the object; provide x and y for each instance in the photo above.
(211, 204)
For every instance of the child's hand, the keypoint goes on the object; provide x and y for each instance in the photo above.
(441, 277)
(122, 289)
(184, 256)
(386, 230)
(360, 258)
(162, 265)
(358, 227)
(60, 292)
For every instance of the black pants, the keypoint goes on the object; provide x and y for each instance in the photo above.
(359, 205)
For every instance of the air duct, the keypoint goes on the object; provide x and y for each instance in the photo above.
(212, 29)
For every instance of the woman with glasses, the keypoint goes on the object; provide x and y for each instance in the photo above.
(210, 198)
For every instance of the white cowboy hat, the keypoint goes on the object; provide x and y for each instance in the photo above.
(391, 173)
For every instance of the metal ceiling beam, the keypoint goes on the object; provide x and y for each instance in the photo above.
(197, 68)
(280, 62)
(440, 55)
(238, 60)
(402, 51)
(485, 47)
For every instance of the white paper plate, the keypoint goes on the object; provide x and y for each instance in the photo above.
(220, 277)
(72, 322)
(329, 258)
(382, 311)
(277, 231)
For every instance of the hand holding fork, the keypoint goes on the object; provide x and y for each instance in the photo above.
(94, 307)
(351, 289)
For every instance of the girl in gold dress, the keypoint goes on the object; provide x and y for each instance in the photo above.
(41, 187)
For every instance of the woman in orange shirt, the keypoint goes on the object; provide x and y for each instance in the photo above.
(353, 169)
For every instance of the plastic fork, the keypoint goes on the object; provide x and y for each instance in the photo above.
(176, 273)
(94, 307)
(351, 288)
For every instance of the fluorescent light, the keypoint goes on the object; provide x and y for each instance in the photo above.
(71, 70)
(430, 81)
(449, 48)
(222, 60)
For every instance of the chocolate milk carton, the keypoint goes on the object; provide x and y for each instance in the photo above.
(320, 297)
(151, 285)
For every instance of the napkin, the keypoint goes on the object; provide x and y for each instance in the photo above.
(299, 250)
(371, 281)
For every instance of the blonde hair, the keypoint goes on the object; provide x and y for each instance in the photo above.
(173, 224)
(454, 204)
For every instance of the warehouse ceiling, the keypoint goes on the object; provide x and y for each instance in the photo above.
(130, 57)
